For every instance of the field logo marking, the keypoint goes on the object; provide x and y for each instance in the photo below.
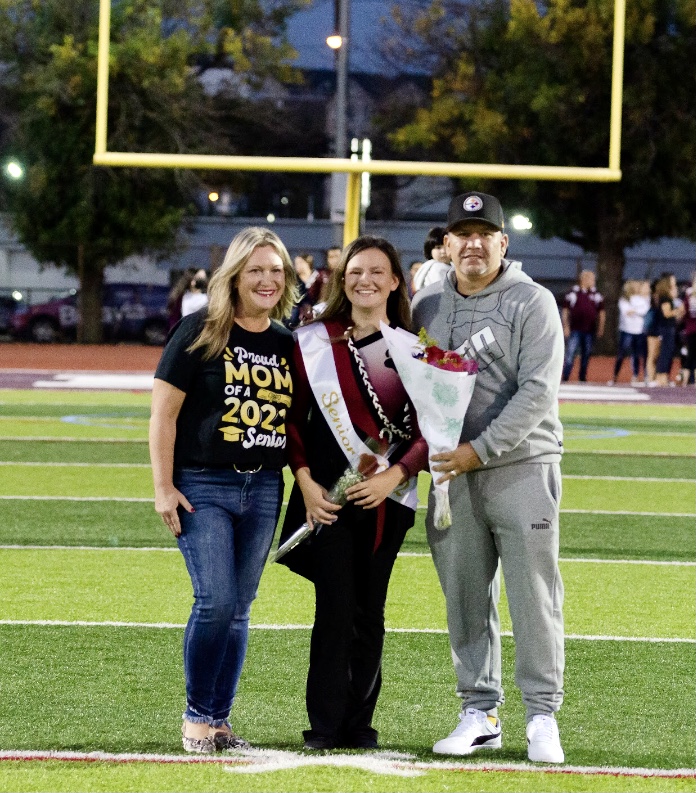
(261, 761)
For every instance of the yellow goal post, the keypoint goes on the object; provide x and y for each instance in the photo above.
(354, 168)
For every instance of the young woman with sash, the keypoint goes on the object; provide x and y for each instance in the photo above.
(218, 444)
(350, 411)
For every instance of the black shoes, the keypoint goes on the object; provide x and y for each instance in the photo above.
(319, 743)
(360, 739)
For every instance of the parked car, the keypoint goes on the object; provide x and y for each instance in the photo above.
(129, 312)
(8, 305)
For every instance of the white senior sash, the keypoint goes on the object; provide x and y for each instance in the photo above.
(320, 366)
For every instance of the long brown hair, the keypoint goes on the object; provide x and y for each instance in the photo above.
(398, 305)
(663, 289)
(222, 290)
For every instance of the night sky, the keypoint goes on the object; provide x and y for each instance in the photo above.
(309, 28)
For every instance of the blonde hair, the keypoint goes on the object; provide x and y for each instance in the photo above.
(222, 290)
(630, 288)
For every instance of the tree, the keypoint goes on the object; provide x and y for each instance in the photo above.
(529, 83)
(66, 211)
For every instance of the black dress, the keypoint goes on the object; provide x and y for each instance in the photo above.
(349, 563)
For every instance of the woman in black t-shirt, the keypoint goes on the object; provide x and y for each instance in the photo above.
(217, 443)
(665, 326)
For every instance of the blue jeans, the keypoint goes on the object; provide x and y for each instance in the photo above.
(668, 343)
(225, 543)
(635, 344)
(578, 340)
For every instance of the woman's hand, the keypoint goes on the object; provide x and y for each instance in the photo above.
(372, 492)
(319, 509)
(167, 502)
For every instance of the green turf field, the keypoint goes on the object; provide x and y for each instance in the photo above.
(95, 594)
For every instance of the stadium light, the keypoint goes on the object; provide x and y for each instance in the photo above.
(521, 223)
(14, 170)
(334, 41)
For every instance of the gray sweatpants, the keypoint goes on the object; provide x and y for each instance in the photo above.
(508, 514)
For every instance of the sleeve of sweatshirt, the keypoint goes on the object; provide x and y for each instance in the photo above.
(539, 374)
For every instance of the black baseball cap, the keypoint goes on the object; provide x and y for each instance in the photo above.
(475, 206)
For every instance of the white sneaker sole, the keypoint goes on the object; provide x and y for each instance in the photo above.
(453, 746)
(545, 754)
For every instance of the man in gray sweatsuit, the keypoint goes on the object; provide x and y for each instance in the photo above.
(505, 481)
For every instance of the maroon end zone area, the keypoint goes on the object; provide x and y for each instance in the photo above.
(140, 358)
(80, 357)
(20, 363)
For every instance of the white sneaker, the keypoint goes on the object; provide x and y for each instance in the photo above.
(543, 740)
(474, 731)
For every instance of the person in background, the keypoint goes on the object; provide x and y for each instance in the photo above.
(346, 394)
(220, 397)
(413, 268)
(311, 282)
(196, 296)
(652, 336)
(333, 258)
(667, 314)
(583, 318)
(634, 304)
(689, 335)
(176, 295)
(504, 482)
(437, 263)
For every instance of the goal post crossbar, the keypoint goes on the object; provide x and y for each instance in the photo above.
(612, 173)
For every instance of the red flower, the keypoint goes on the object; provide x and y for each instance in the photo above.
(434, 354)
(444, 359)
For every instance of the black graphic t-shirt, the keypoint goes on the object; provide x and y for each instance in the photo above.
(236, 404)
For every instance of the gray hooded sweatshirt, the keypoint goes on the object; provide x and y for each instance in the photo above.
(513, 330)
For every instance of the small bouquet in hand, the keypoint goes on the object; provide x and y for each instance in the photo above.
(439, 383)
(367, 467)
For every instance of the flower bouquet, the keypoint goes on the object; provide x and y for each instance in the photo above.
(367, 466)
(439, 383)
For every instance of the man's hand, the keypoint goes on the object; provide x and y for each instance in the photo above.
(458, 461)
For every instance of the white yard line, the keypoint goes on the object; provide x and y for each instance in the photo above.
(87, 465)
(404, 554)
(76, 498)
(628, 512)
(630, 479)
(616, 453)
(285, 503)
(35, 464)
(155, 549)
(59, 438)
(655, 562)
(271, 627)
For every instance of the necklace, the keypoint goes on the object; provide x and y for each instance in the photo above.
(388, 430)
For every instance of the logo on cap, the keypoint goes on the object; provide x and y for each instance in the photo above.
(473, 203)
